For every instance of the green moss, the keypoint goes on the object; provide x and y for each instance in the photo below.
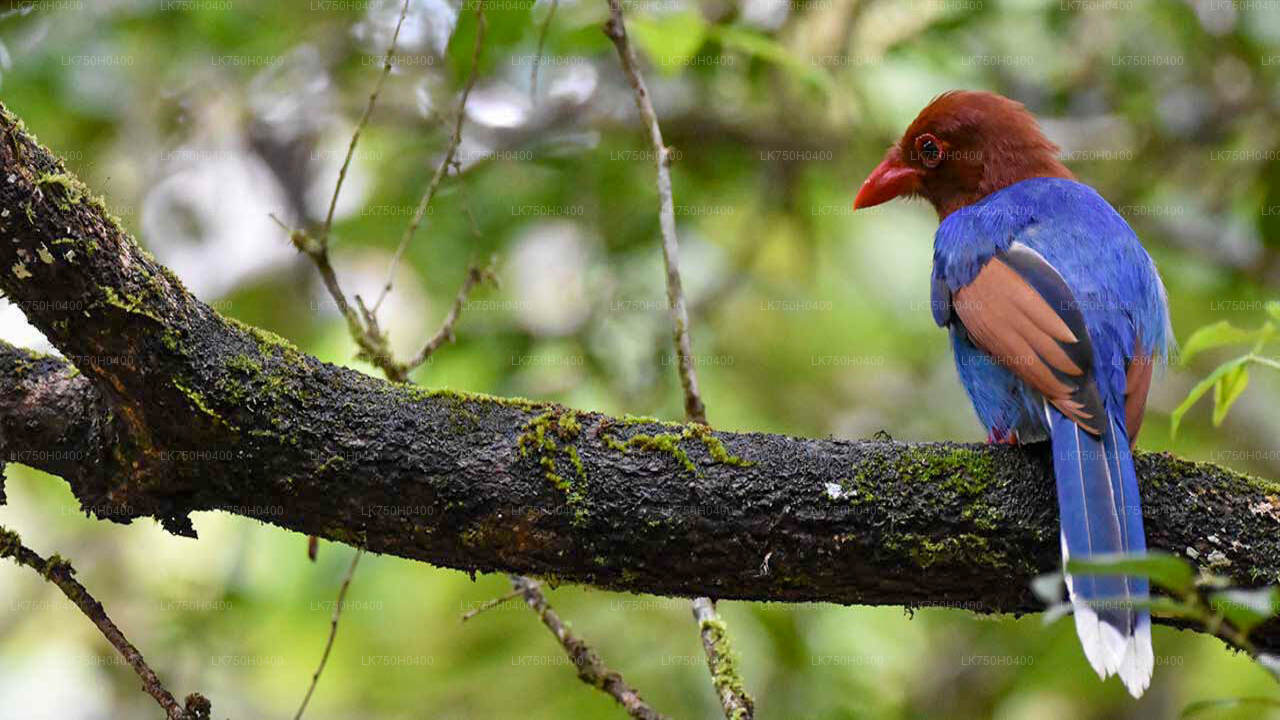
(245, 364)
(10, 542)
(71, 189)
(462, 396)
(719, 453)
(333, 462)
(198, 400)
(576, 461)
(56, 564)
(130, 303)
(267, 340)
(966, 473)
(613, 443)
(963, 549)
(725, 675)
(542, 437)
(669, 443)
(630, 420)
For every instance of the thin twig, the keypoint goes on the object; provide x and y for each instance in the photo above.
(60, 573)
(721, 661)
(475, 275)
(591, 669)
(617, 32)
(333, 631)
(537, 58)
(490, 604)
(364, 120)
(373, 344)
(445, 163)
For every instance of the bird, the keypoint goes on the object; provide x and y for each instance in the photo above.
(1057, 316)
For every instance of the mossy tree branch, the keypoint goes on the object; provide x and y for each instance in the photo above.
(171, 408)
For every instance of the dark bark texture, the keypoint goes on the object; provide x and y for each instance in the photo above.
(163, 407)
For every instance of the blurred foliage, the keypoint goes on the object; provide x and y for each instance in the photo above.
(197, 119)
(1229, 380)
(1208, 602)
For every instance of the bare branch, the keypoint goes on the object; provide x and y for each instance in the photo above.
(591, 669)
(60, 573)
(491, 604)
(333, 631)
(730, 689)
(446, 162)
(475, 275)
(617, 32)
(364, 120)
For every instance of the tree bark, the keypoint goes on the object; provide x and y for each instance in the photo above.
(171, 408)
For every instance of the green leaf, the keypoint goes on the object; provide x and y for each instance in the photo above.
(1245, 609)
(670, 41)
(1215, 335)
(1200, 389)
(1273, 309)
(1168, 571)
(1200, 707)
(766, 48)
(1226, 390)
(1163, 606)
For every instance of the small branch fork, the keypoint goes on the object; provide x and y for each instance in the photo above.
(445, 163)
(60, 573)
(730, 689)
(362, 320)
(374, 347)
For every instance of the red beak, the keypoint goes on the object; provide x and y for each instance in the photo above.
(892, 178)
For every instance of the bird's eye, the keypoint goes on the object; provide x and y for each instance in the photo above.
(928, 151)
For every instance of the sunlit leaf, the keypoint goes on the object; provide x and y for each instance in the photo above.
(1213, 336)
(670, 41)
(1163, 606)
(1168, 571)
(1273, 309)
(1202, 387)
(1201, 707)
(1226, 390)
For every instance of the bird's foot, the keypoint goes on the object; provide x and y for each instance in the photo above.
(1002, 437)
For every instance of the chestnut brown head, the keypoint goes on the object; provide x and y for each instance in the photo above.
(963, 146)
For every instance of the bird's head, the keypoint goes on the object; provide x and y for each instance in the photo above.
(963, 146)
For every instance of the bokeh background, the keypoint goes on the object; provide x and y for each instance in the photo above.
(198, 119)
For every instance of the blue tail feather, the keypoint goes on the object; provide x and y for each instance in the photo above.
(1101, 514)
